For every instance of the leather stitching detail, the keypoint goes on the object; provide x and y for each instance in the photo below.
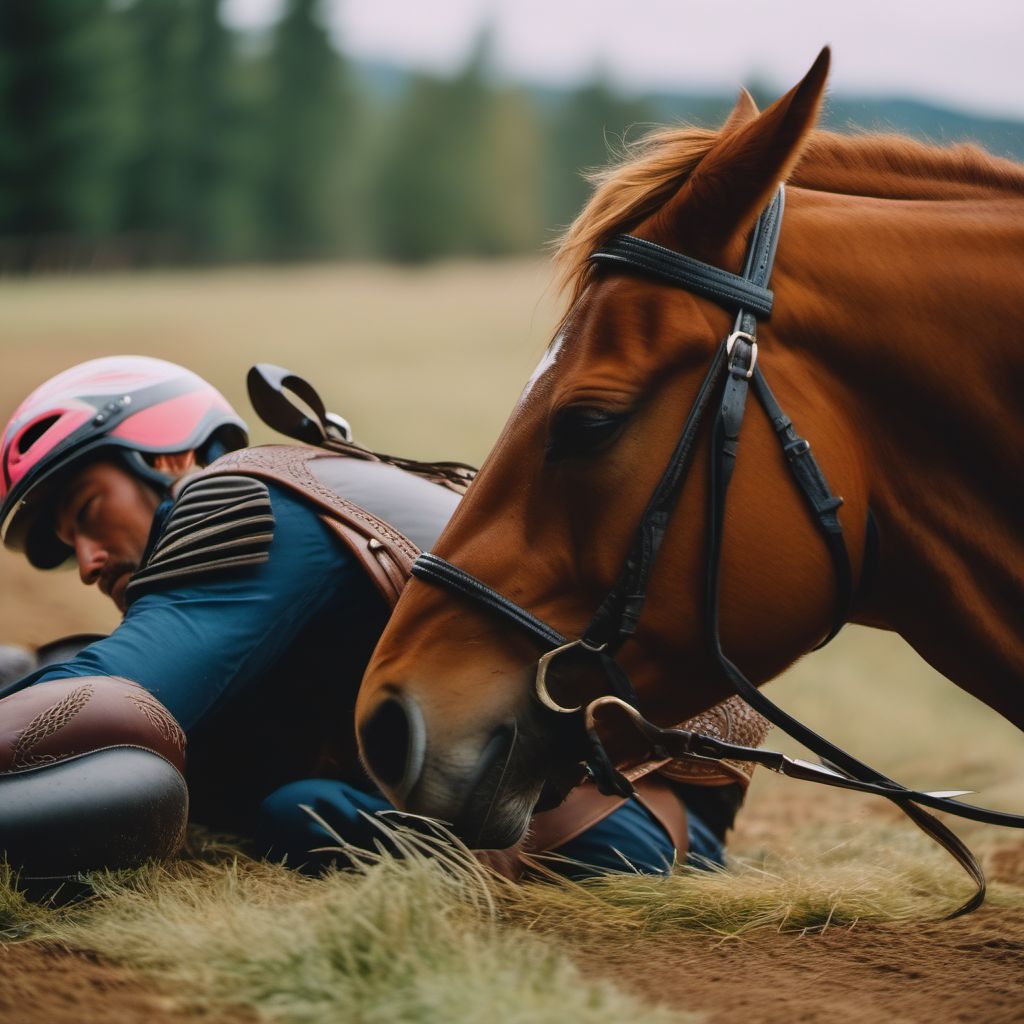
(159, 717)
(45, 724)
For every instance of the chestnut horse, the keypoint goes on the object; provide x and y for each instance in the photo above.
(895, 346)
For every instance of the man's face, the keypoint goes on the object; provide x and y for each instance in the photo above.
(104, 515)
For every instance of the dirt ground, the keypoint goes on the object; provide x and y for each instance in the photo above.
(967, 970)
(49, 985)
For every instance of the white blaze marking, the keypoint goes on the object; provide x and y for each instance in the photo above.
(548, 360)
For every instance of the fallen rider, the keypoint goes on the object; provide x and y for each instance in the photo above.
(254, 584)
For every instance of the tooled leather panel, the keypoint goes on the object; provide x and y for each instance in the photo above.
(734, 721)
(47, 722)
(159, 717)
(63, 718)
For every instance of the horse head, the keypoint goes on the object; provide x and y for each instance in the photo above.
(448, 719)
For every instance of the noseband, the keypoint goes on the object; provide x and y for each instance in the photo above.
(733, 372)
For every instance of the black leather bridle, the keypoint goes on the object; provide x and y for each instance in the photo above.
(734, 371)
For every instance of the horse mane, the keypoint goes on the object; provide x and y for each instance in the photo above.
(883, 166)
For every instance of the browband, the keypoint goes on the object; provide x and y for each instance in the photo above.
(729, 290)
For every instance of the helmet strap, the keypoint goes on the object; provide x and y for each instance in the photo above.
(138, 466)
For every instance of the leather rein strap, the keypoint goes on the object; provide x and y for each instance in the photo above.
(733, 371)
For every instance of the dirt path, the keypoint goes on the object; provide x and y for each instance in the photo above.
(49, 985)
(969, 970)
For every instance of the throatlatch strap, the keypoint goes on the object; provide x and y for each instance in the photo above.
(725, 437)
(617, 617)
(824, 505)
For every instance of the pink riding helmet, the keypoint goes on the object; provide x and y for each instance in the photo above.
(128, 404)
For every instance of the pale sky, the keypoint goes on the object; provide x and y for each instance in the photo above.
(964, 55)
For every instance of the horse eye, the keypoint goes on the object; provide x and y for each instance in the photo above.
(580, 430)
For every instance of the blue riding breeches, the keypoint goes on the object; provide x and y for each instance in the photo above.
(628, 839)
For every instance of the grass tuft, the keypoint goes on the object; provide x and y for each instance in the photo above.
(838, 876)
(418, 939)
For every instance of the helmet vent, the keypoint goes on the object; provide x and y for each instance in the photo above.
(32, 434)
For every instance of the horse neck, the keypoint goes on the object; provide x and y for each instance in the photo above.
(868, 166)
(915, 338)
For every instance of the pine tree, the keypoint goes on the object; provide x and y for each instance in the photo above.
(156, 181)
(306, 128)
(62, 120)
(584, 135)
(190, 186)
(212, 167)
(446, 182)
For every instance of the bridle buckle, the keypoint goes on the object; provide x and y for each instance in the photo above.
(730, 344)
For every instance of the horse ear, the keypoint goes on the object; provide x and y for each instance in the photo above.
(744, 112)
(739, 175)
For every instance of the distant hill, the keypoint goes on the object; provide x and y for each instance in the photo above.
(925, 121)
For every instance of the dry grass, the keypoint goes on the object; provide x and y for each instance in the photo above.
(435, 937)
(830, 877)
(416, 940)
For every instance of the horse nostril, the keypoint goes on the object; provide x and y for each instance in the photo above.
(393, 743)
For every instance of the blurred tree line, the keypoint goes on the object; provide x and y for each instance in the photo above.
(147, 132)
(141, 132)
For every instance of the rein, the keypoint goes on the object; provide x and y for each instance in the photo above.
(733, 373)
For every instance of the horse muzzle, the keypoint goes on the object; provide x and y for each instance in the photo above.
(484, 785)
